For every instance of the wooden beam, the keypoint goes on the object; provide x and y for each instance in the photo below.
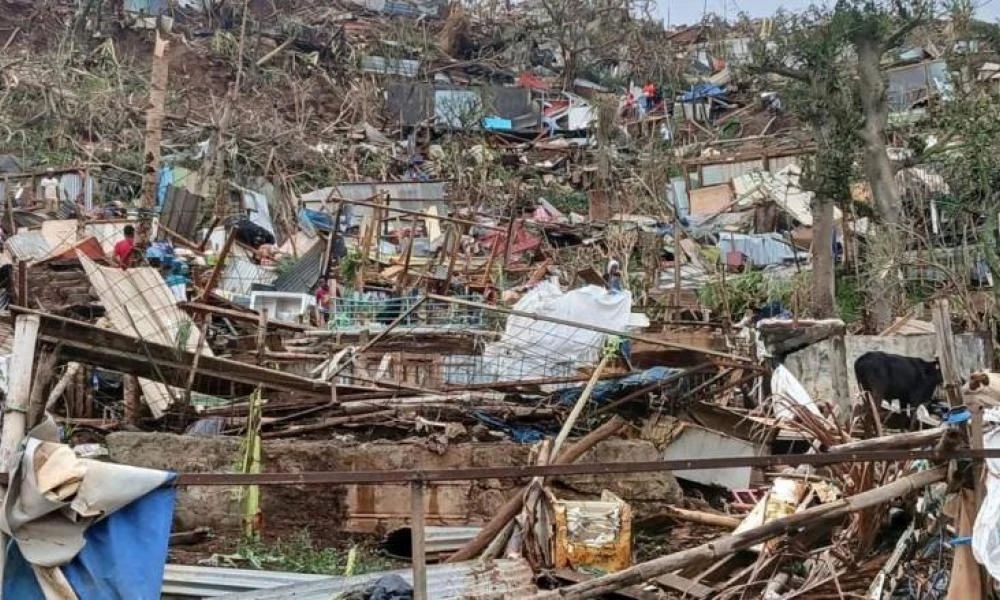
(404, 211)
(219, 265)
(15, 415)
(154, 120)
(82, 342)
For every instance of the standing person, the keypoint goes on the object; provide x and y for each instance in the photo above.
(124, 249)
(649, 92)
(50, 191)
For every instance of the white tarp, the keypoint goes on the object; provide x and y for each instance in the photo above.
(533, 349)
(986, 530)
(786, 390)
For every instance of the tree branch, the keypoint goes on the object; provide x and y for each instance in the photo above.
(782, 71)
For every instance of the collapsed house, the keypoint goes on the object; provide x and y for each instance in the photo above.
(477, 346)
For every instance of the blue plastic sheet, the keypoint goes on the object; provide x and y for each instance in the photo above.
(610, 389)
(320, 221)
(123, 558)
(498, 124)
(702, 91)
(521, 435)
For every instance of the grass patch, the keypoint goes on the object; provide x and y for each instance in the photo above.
(300, 553)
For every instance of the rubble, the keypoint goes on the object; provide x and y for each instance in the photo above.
(410, 266)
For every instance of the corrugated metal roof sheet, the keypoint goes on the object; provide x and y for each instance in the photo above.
(390, 66)
(181, 212)
(139, 303)
(409, 195)
(396, 190)
(466, 580)
(241, 273)
(28, 246)
(304, 273)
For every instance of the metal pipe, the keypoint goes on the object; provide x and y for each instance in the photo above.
(564, 470)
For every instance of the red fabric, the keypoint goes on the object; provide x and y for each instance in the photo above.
(123, 252)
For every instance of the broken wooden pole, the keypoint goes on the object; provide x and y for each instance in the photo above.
(945, 341)
(703, 518)
(580, 403)
(728, 544)
(130, 393)
(19, 388)
(417, 549)
(18, 395)
(220, 264)
(71, 370)
(262, 337)
(513, 506)
(154, 120)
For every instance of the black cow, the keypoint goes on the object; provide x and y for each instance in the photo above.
(912, 381)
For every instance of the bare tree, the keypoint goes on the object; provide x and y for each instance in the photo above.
(590, 31)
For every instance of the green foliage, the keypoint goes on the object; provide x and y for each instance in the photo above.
(349, 266)
(745, 292)
(301, 554)
(568, 200)
(850, 300)
(184, 330)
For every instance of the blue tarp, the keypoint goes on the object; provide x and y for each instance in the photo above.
(702, 91)
(123, 557)
(166, 180)
(320, 221)
(498, 124)
(521, 435)
(612, 388)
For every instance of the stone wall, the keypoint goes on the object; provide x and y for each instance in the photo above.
(812, 365)
(371, 508)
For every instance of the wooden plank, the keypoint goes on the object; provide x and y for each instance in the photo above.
(154, 120)
(87, 344)
(946, 352)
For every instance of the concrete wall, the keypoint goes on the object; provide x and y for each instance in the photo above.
(812, 365)
(370, 508)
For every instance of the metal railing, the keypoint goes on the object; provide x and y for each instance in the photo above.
(367, 313)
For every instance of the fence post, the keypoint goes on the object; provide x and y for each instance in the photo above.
(417, 541)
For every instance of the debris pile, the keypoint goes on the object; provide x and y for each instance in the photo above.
(524, 303)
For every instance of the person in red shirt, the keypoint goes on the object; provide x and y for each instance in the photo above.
(124, 248)
(649, 91)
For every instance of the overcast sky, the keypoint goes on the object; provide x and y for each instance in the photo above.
(690, 11)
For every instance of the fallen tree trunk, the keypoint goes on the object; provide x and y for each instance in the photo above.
(514, 504)
(728, 544)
